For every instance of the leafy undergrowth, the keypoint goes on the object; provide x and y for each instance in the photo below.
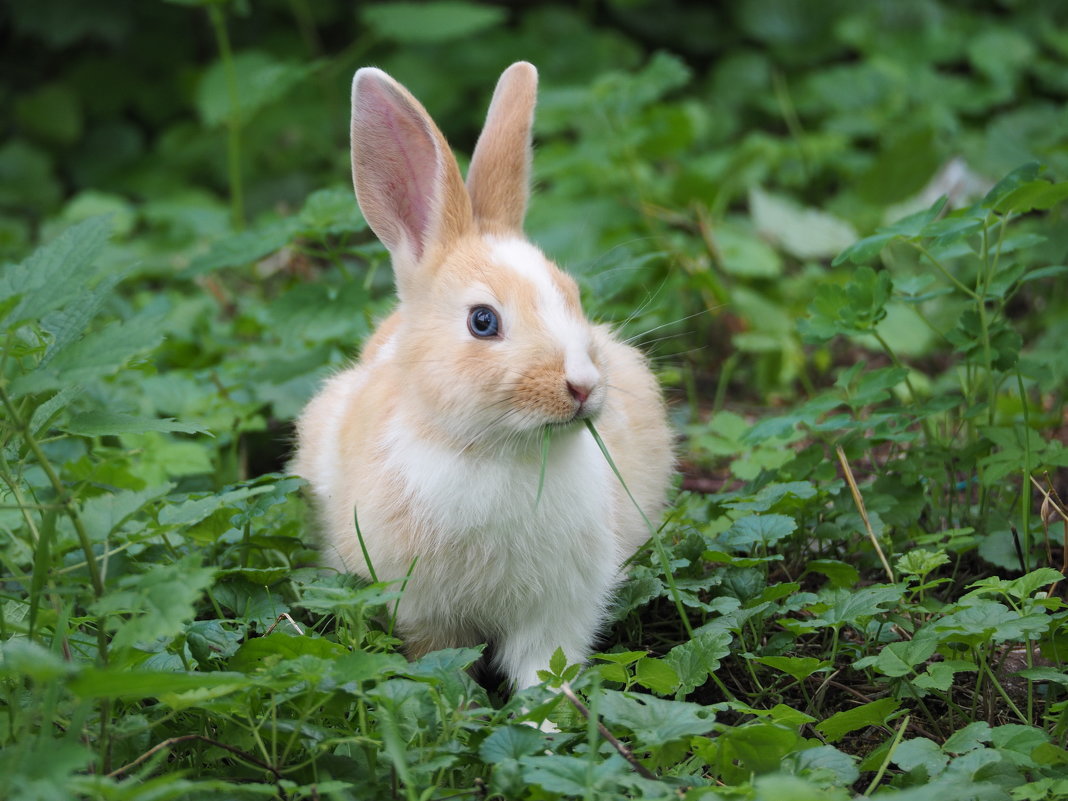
(166, 641)
(857, 588)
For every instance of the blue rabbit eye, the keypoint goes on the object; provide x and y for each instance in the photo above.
(483, 323)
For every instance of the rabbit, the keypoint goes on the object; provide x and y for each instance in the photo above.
(433, 440)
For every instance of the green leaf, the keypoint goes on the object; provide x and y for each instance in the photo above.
(761, 746)
(263, 652)
(440, 21)
(848, 310)
(656, 674)
(101, 353)
(67, 324)
(901, 658)
(332, 211)
(970, 738)
(194, 509)
(805, 233)
(851, 606)
(124, 683)
(743, 253)
(260, 80)
(841, 574)
(920, 562)
(764, 530)
(799, 667)
(1023, 174)
(941, 675)
(875, 713)
(569, 775)
(104, 423)
(511, 742)
(697, 659)
(1031, 196)
(244, 247)
(103, 514)
(558, 662)
(907, 227)
(655, 721)
(56, 273)
(919, 752)
(159, 602)
(21, 657)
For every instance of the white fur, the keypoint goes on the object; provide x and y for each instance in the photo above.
(572, 334)
(499, 563)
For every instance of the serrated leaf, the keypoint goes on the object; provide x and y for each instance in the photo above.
(65, 325)
(919, 752)
(656, 674)
(56, 273)
(941, 675)
(655, 721)
(103, 423)
(511, 742)
(244, 247)
(98, 354)
(572, 776)
(902, 658)
(440, 21)
(45, 413)
(103, 514)
(193, 510)
(558, 662)
(852, 606)
(875, 713)
(764, 530)
(158, 602)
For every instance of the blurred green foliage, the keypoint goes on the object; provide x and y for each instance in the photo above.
(832, 224)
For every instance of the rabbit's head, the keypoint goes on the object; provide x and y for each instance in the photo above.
(490, 335)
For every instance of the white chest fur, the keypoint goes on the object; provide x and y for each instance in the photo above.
(489, 548)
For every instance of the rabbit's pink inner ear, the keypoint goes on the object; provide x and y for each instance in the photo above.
(395, 163)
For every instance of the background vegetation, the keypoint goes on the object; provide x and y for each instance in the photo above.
(836, 226)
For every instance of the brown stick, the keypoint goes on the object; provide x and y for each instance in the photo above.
(624, 752)
(186, 738)
(859, 501)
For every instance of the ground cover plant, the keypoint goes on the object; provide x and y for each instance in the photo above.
(837, 228)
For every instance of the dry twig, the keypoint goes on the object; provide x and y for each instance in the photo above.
(624, 752)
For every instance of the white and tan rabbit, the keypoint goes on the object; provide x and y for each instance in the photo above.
(434, 438)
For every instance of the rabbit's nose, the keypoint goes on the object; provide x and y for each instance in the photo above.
(579, 391)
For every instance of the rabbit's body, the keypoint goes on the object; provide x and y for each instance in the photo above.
(434, 440)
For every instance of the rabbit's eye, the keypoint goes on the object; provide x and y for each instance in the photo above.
(483, 323)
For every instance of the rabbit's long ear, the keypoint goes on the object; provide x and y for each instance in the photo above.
(498, 179)
(406, 179)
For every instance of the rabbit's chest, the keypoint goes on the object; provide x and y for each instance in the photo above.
(505, 507)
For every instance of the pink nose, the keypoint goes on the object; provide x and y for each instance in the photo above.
(579, 392)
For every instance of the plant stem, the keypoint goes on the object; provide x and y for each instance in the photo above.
(665, 562)
(63, 497)
(233, 121)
